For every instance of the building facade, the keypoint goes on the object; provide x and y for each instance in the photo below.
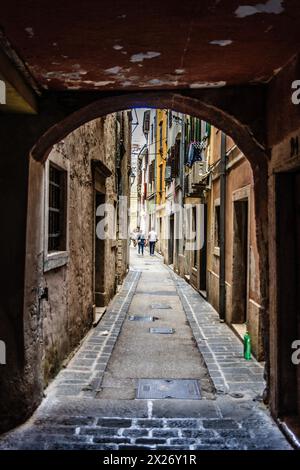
(207, 248)
(134, 213)
(243, 308)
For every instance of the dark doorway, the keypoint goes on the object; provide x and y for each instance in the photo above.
(171, 241)
(240, 262)
(203, 255)
(99, 257)
(288, 294)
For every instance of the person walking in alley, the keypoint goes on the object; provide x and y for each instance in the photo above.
(152, 237)
(133, 236)
(141, 242)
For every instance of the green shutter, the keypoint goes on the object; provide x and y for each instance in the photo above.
(207, 129)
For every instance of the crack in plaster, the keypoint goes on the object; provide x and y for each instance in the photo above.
(271, 6)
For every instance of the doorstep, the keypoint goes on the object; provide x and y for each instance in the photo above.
(98, 314)
(203, 294)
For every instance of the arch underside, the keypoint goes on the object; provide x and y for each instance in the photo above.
(236, 111)
(241, 132)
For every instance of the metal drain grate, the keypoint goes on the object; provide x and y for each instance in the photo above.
(141, 318)
(162, 331)
(160, 306)
(161, 293)
(168, 388)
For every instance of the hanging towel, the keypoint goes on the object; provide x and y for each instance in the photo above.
(195, 153)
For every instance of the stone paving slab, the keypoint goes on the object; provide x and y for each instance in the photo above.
(84, 374)
(71, 418)
(219, 346)
(166, 425)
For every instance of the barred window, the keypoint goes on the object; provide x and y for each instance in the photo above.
(57, 209)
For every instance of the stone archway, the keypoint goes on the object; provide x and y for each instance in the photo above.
(241, 132)
(50, 130)
(204, 105)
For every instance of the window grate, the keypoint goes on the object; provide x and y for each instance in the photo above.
(57, 210)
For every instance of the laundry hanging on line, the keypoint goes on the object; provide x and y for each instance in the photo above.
(195, 153)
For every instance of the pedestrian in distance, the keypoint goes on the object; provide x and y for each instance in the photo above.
(133, 237)
(141, 242)
(152, 238)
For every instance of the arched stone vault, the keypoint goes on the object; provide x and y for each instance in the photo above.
(236, 111)
(254, 108)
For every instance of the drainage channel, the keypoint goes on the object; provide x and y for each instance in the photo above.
(142, 318)
(162, 330)
(160, 306)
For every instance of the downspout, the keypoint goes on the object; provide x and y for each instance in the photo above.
(182, 157)
(222, 286)
(182, 182)
(154, 222)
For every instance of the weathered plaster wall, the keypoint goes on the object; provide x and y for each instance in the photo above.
(124, 190)
(66, 316)
(282, 160)
(20, 385)
(68, 312)
(283, 125)
(239, 185)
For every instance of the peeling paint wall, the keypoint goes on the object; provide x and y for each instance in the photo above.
(67, 314)
(284, 138)
(124, 189)
(239, 187)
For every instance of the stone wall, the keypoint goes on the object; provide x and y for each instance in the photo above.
(284, 242)
(68, 313)
(239, 187)
(124, 189)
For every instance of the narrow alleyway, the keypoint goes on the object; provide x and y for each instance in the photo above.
(140, 355)
(106, 398)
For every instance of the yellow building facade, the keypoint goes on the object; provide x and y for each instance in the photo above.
(160, 168)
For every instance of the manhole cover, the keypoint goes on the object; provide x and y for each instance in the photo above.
(162, 331)
(168, 388)
(236, 395)
(160, 306)
(140, 318)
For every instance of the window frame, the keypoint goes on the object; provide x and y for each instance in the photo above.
(161, 137)
(58, 258)
(59, 191)
(216, 231)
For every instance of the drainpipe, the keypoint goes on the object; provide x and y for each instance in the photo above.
(182, 157)
(222, 286)
(155, 174)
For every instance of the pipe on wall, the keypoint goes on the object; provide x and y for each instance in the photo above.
(222, 285)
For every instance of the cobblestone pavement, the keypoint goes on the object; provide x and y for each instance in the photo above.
(72, 416)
